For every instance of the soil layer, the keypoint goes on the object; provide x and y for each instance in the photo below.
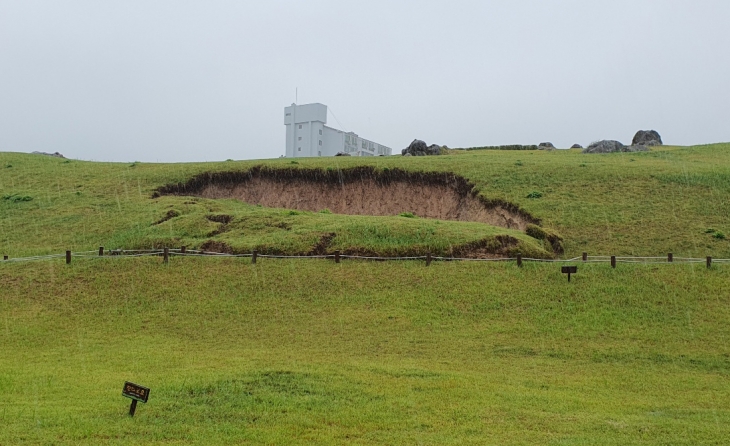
(358, 191)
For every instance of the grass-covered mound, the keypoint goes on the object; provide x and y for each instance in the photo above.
(667, 200)
(313, 352)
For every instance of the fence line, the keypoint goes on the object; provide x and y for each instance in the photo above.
(337, 256)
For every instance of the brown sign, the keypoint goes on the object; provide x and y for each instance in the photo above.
(136, 392)
(569, 270)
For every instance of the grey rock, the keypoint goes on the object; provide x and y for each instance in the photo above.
(433, 149)
(647, 138)
(576, 146)
(420, 148)
(56, 154)
(636, 148)
(605, 146)
(342, 154)
(545, 146)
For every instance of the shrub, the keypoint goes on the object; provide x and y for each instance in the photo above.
(534, 194)
(325, 211)
(407, 214)
(719, 235)
(508, 147)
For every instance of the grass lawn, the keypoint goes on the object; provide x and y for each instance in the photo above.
(308, 351)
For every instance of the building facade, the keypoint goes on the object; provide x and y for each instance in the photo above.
(308, 135)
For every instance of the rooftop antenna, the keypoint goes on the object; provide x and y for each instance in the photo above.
(296, 95)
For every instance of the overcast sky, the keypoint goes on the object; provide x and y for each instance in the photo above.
(209, 80)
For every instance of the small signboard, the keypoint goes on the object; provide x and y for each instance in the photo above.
(136, 393)
(569, 270)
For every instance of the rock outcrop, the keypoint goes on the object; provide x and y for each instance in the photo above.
(420, 148)
(604, 146)
(576, 146)
(545, 146)
(647, 138)
(610, 146)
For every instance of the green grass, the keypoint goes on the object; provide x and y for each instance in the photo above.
(624, 203)
(309, 351)
(456, 353)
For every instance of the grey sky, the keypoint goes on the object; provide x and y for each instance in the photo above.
(208, 80)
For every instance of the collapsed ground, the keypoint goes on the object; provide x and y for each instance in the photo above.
(366, 191)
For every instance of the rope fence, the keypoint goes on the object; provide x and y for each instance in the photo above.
(166, 253)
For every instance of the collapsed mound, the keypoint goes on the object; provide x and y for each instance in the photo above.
(358, 191)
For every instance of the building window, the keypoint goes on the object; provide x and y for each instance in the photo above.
(300, 126)
(320, 131)
(288, 114)
(300, 138)
(299, 149)
(319, 153)
(320, 143)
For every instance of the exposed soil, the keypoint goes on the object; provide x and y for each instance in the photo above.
(216, 246)
(500, 246)
(220, 218)
(321, 247)
(170, 215)
(357, 191)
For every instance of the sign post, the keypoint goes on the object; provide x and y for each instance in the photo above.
(136, 393)
(569, 270)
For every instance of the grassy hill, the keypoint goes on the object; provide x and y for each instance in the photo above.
(309, 351)
(667, 200)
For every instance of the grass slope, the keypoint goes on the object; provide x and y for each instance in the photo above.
(669, 199)
(301, 352)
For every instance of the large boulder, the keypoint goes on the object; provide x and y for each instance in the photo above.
(605, 146)
(576, 146)
(545, 146)
(647, 138)
(420, 148)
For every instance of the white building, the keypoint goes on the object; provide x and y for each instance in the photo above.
(307, 135)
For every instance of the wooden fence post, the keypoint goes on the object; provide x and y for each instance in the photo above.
(670, 257)
(5, 257)
(165, 255)
(428, 258)
(613, 261)
(253, 257)
(519, 259)
(337, 256)
(101, 251)
(585, 256)
(68, 257)
(183, 248)
(709, 262)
